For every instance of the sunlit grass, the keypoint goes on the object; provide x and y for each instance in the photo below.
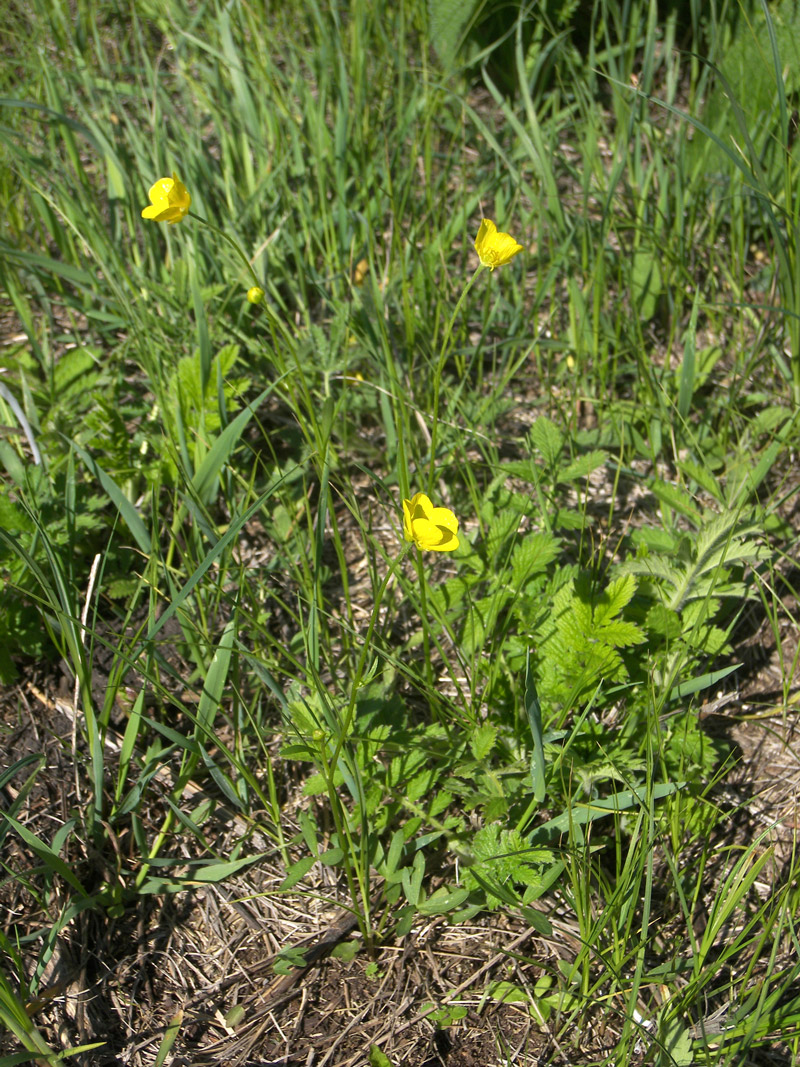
(216, 515)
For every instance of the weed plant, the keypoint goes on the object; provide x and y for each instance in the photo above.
(202, 496)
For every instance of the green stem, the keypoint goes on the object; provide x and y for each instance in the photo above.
(233, 243)
(329, 764)
(362, 659)
(423, 614)
(437, 380)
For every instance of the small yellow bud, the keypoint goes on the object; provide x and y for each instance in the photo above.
(255, 295)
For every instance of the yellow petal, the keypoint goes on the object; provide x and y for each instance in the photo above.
(432, 537)
(444, 517)
(493, 248)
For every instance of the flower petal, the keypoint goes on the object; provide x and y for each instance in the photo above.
(493, 248)
(432, 537)
(445, 518)
(169, 200)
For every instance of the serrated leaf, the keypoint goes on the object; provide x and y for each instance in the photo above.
(532, 556)
(583, 466)
(482, 740)
(621, 633)
(614, 597)
(547, 439)
(660, 620)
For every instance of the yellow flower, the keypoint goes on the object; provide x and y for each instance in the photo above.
(493, 248)
(169, 201)
(360, 271)
(431, 529)
(255, 294)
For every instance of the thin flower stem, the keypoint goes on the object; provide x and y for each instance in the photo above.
(362, 659)
(437, 380)
(423, 614)
(329, 764)
(234, 245)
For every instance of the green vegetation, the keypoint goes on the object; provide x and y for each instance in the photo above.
(201, 497)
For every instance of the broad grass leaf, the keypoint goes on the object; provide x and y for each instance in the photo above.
(676, 498)
(218, 872)
(646, 283)
(534, 712)
(582, 814)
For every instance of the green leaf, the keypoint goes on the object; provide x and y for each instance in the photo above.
(378, 1058)
(205, 478)
(534, 713)
(646, 283)
(449, 21)
(547, 439)
(582, 814)
(43, 851)
(120, 501)
(444, 900)
(482, 740)
(532, 556)
(583, 466)
(298, 871)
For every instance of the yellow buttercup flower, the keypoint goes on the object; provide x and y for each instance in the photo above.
(169, 201)
(431, 529)
(360, 271)
(493, 248)
(255, 294)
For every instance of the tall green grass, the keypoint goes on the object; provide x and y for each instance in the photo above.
(216, 516)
